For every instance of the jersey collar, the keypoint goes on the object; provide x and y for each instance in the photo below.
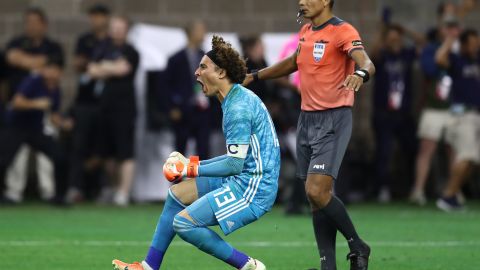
(234, 87)
(334, 21)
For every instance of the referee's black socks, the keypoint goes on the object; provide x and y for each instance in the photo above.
(336, 212)
(325, 234)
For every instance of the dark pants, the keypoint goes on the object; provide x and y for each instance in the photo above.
(117, 135)
(389, 127)
(84, 141)
(196, 126)
(12, 138)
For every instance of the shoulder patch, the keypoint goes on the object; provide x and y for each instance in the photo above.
(357, 43)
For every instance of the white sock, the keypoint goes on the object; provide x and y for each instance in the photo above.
(146, 266)
(250, 265)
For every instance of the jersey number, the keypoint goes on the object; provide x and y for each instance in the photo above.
(225, 199)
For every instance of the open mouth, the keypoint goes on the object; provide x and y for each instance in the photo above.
(202, 85)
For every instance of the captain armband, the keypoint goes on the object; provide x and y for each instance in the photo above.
(237, 150)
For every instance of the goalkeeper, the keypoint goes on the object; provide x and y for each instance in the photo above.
(232, 190)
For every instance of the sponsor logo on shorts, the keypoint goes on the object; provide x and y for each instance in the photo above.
(230, 224)
(319, 167)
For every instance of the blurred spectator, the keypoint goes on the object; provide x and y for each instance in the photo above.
(464, 133)
(17, 174)
(116, 74)
(435, 117)
(392, 104)
(90, 47)
(254, 53)
(191, 110)
(277, 96)
(37, 95)
(25, 54)
(447, 11)
(31, 50)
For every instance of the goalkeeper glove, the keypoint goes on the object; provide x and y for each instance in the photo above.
(178, 167)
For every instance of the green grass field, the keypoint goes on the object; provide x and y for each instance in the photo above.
(89, 237)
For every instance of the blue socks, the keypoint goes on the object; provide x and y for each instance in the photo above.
(237, 259)
(154, 258)
(208, 241)
(164, 232)
(200, 236)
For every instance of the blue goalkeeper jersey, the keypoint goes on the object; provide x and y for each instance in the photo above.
(246, 121)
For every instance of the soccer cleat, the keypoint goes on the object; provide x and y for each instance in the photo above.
(359, 258)
(253, 264)
(450, 204)
(119, 265)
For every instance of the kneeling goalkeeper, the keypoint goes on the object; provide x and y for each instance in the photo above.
(232, 190)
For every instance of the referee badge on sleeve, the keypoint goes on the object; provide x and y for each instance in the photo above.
(318, 51)
(357, 43)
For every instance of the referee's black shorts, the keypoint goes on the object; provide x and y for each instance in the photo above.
(322, 139)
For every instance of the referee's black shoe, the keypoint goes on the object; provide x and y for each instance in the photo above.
(359, 258)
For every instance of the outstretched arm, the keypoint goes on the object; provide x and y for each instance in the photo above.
(280, 69)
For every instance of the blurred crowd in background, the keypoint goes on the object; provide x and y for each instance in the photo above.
(425, 112)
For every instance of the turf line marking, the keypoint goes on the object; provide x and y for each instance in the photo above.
(266, 244)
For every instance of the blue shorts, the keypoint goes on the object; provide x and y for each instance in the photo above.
(221, 203)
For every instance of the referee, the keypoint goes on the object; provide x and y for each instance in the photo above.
(328, 51)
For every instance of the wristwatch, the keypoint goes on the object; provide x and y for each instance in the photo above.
(255, 75)
(362, 73)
